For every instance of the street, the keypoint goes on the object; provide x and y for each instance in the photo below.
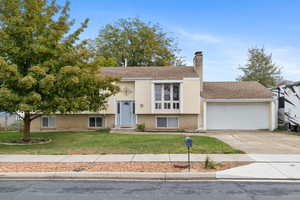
(146, 190)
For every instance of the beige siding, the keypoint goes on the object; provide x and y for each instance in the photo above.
(191, 97)
(73, 122)
(143, 96)
(188, 122)
(127, 93)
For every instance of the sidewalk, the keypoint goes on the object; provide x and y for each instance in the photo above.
(264, 166)
(126, 158)
(258, 158)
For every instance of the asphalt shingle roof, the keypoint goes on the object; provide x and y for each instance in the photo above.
(235, 90)
(155, 73)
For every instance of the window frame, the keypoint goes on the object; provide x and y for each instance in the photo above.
(167, 104)
(167, 127)
(42, 121)
(102, 123)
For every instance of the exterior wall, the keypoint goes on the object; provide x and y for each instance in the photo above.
(143, 96)
(191, 97)
(73, 122)
(188, 122)
(127, 93)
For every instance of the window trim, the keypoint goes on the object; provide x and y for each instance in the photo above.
(178, 122)
(48, 116)
(171, 102)
(95, 122)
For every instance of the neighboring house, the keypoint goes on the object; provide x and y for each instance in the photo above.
(7, 120)
(288, 105)
(173, 98)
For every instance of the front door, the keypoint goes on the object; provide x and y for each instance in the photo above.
(127, 115)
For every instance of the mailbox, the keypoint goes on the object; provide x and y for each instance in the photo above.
(188, 141)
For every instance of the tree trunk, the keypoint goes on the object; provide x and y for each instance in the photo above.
(26, 130)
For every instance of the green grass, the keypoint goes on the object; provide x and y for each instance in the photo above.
(108, 143)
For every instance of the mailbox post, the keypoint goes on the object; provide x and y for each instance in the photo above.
(189, 143)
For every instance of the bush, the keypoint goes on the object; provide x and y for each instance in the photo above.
(209, 164)
(140, 127)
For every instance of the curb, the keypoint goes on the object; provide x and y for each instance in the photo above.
(111, 175)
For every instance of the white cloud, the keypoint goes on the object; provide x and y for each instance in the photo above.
(209, 38)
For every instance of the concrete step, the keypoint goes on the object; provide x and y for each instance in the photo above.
(123, 129)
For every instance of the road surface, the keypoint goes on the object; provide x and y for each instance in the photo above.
(146, 190)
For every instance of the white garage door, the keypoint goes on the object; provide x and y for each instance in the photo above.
(238, 116)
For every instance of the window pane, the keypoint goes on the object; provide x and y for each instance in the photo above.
(158, 92)
(92, 122)
(167, 105)
(172, 122)
(167, 92)
(118, 107)
(51, 122)
(157, 105)
(161, 122)
(99, 121)
(45, 121)
(175, 105)
(176, 92)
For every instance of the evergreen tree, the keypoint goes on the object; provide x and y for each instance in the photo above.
(261, 68)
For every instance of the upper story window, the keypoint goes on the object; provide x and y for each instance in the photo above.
(167, 95)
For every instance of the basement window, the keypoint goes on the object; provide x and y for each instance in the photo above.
(95, 122)
(167, 122)
(48, 122)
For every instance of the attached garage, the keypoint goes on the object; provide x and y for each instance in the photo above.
(238, 116)
(237, 106)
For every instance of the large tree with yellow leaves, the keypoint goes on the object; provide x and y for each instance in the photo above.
(45, 69)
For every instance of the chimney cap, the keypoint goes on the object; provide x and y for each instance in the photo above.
(198, 53)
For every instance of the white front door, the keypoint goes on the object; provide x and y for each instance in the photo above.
(126, 113)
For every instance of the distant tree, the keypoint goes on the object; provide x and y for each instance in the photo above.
(142, 44)
(261, 68)
(42, 69)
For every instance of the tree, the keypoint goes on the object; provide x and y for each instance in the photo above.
(261, 68)
(43, 69)
(140, 43)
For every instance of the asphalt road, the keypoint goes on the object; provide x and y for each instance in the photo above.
(131, 190)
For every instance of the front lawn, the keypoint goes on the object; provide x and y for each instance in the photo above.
(111, 143)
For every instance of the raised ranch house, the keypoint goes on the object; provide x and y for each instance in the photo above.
(173, 98)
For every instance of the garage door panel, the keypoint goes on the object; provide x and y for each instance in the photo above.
(237, 116)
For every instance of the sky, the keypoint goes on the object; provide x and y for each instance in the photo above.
(222, 29)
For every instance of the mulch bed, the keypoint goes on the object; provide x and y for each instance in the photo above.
(32, 141)
(112, 167)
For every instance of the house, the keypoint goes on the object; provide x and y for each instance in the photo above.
(173, 98)
(8, 120)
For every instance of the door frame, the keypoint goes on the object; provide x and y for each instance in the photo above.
(119, 114)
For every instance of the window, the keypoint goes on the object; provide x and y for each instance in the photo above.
(167, 122)
(95, 122)
(167, 96)
(48, 121)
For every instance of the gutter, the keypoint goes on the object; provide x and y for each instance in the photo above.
(239, 100)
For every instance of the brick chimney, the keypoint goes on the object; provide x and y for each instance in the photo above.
(198, 67)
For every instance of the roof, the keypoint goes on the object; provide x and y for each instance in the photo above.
(235, 90)
(155, 73)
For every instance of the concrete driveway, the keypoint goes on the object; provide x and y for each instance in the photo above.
(257, 142)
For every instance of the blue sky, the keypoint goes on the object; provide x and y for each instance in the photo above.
(222, 29)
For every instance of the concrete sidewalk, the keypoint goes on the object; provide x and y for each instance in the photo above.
(260, 158)
(126, 158)
(264, 166)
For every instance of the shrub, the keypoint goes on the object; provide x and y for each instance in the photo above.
(140, 127)
(209, 164)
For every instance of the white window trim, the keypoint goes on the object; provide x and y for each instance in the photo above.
(163, 101)
(48, 116)
(95, 122)
(178, 122)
